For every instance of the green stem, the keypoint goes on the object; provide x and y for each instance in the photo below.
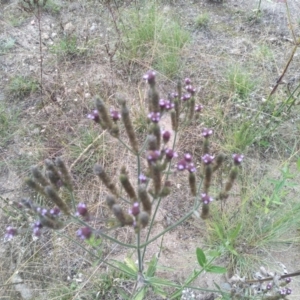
(93, 254)
(126, 146)
(157, 206)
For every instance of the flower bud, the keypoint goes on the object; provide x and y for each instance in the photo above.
(166, 135)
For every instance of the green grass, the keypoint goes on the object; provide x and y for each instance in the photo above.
(202, 20)
(22, 86)
(6, 45)
(245, 232)
(8, 122)
(68, 48)
(153, 38)
(240, 81)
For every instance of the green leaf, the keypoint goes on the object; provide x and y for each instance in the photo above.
(131, 264)
(124, 268)
(93, 241)
(140, 295)
(159, 281)
(201, 257)
(152, 266)
(216, 269)
(159, 291)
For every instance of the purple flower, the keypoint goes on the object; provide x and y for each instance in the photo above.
(37, 226)
(198, 107)
(288, 291)
(174, 95)
(237, 159)
(116, 116)
(94, 115)
(135, 209)
(288, 279)
(44, 212)
(188, 157)
(166, 135)
(206, 132)
(269, 286)
(82, 210)
(10, 233)
(282, 292)
(150, 77)
(186, 97)
(181, 165)
(207, 159)
(54, 212)
(153, 156)
(169, 105)
(142, 178)
(84, 233)
(162, 103)
(170, 154)
(187, 81)
(206, 199)
(154, 117)
(191, 168)
(190, 89)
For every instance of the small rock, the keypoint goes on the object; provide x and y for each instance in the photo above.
(45, 36)
(53, 34)
(69, 28)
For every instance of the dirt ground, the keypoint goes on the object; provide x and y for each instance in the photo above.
(232, 35)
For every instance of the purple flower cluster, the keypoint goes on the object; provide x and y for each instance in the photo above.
(10, 233)
(207, 159)
(237, 159)
(154, 117)
(186, 164)
(166, 104)
(153, 156)
(166, 135)
(135, 209)
(150, 77)
(206, 199)
(94, 115)
(206, 132)
(84, 233)
(115, 115)
(170, 154)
